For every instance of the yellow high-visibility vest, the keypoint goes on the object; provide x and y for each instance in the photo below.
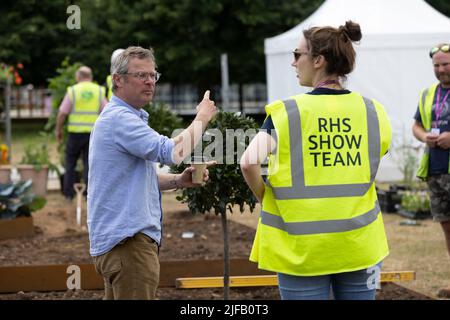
(109, 84)
(320, 214)
(86, 98)
(426, 109)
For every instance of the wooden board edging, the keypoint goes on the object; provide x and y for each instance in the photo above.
(83, 276)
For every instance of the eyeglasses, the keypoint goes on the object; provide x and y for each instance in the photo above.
(443, 48)
(143, 76)
(297, 54)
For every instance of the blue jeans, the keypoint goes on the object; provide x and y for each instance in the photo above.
(355, 285)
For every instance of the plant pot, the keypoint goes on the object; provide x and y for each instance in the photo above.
(40, 178)
(15, 228)
(389, 200)
(5, 173)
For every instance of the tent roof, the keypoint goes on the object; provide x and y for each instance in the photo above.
(376, 17)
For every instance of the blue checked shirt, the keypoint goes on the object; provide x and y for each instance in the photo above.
(123, 194)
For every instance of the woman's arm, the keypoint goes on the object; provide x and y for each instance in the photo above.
(258, 150)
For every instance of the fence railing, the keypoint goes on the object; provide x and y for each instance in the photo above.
(30, 102)
(183, 99)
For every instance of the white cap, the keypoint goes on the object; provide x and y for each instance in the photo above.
(116, 53)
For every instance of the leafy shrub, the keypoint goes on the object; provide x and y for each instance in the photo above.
(162, 119)
(226, 186)
(416, 201)
(38, 155)
(16, 200)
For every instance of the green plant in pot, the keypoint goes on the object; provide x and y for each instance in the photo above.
(226, 186)
(35, 165)
(415, 204)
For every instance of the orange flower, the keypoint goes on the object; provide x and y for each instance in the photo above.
(18, 80)
(20, 65)
(4, 154)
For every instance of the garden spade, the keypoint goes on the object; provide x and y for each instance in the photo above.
(79, 189)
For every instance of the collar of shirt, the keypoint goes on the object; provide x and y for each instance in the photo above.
(141, 113)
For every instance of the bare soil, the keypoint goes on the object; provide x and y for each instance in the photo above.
(57, 241)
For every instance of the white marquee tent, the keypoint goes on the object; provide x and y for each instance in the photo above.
(392, 63)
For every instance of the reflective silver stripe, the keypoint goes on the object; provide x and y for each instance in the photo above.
(81, 124)
(325, 226)
(298, 189)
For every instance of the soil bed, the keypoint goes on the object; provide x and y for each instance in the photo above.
(55, 242)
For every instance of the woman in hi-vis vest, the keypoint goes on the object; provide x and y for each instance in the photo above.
(321, 229)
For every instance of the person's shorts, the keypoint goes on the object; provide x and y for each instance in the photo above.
(439, 186)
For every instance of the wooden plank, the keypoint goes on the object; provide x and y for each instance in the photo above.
(46, 278)
(15, 228)
(170, 270)
(235, 281)
(270, 280)
(56, 277)
(395, 276)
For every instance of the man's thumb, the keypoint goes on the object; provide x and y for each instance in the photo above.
(206, 96)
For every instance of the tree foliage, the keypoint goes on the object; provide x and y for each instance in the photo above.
(226, 186)
(162, 119)
(188, 35)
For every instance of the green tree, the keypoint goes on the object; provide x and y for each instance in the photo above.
(226, 186)
(35, 34)
(196, 33)
(188, 35)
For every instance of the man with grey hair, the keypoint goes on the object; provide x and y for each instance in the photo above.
(114, 55)
(82, 104)
(124, 199)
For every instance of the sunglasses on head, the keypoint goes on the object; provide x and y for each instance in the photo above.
(443, 48)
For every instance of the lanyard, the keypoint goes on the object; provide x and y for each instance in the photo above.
(440, 104)
(324, 83)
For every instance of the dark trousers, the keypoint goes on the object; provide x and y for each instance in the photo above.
(77, 144)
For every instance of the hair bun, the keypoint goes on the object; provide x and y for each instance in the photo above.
(352, 30)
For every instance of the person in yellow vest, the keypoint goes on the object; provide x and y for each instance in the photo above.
(109, 84)
(320, 227)
(432, 127)
(82, 104)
